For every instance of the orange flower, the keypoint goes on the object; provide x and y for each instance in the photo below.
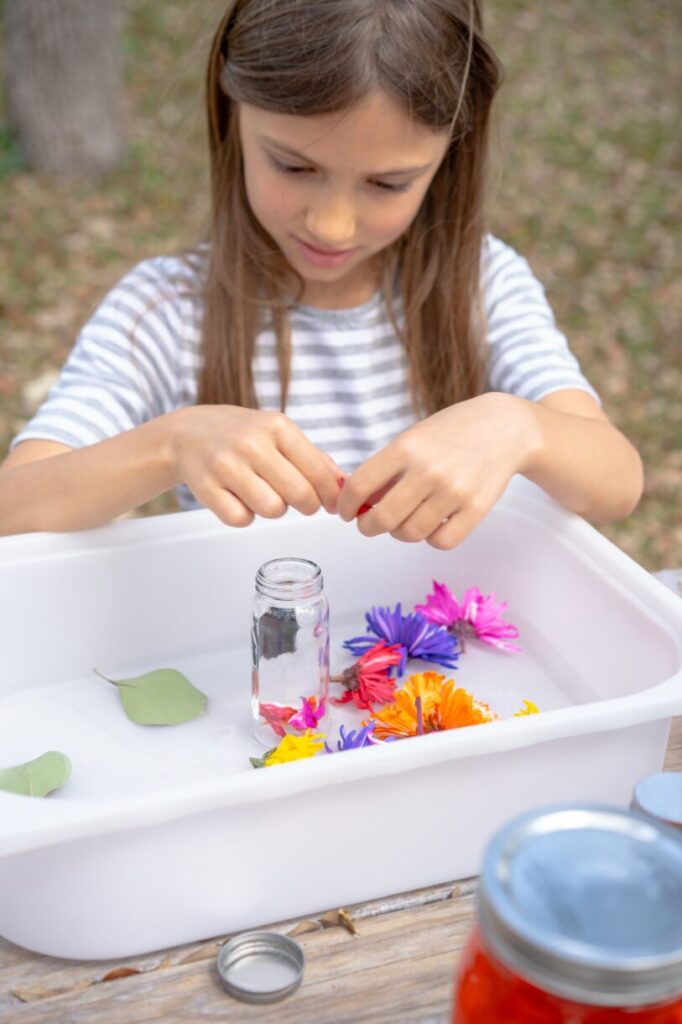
(442, 705)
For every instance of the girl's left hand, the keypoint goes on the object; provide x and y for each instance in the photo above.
(438, 479)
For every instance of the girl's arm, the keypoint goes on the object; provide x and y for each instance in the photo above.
(439, 478)
(238, 462)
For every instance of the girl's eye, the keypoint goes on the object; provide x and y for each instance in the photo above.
(290, 169)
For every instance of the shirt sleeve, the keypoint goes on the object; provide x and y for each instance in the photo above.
(124, 367)
(529, 356)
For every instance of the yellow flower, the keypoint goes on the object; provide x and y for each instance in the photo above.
(294, 748)
(527, 708)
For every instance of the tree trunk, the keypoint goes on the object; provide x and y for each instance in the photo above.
(62, 76)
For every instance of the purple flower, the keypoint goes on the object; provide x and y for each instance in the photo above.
(355, 739)
(418, 637)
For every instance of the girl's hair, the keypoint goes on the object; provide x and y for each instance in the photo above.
(321, 57)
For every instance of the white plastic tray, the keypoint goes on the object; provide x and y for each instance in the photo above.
(166, 835)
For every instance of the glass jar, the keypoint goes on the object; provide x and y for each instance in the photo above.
(579, 922)
(289, 647)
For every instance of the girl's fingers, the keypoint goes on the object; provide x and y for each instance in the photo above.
(226, 505)
(396, 506)
(453, 532)
(288, 481)
(427, 519)
(315, 466)
(256, 494)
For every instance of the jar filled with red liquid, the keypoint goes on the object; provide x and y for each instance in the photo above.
(579, 922)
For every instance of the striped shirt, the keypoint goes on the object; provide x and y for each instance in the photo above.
(139, 356)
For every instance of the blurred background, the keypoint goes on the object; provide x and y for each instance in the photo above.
(588, 157)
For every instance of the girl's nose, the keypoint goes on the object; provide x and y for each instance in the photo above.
(332, 224)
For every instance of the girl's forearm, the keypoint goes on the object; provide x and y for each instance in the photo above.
(88, 487)
(585, 463)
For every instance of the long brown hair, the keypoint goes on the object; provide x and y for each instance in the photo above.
(321, 57)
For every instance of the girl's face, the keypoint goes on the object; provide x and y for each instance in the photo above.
(349, 184)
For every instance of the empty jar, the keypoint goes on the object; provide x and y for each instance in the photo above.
(289, 647)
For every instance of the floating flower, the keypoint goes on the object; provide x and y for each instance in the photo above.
(291, 748)
(355, 739)
(477, 616)
(368, 681)
(309, 716)
(527, 708)
(418, 637)
(276, 716)
(427, 703)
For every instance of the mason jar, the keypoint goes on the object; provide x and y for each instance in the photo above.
(289, 646)
(579, 922)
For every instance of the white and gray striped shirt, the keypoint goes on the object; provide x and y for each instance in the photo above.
(139, 357)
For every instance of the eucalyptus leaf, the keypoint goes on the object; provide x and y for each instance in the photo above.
(38, 777)
(162, 697)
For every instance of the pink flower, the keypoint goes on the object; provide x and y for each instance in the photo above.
(308, 716)
(476, 617)
(276, 716)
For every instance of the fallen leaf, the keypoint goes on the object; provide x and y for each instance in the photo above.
(338, 919)
(120, 972)
(38, 777)
(306, 926)
(161, 697)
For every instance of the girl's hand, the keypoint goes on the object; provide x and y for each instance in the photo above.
(244, 462)
(439, 478)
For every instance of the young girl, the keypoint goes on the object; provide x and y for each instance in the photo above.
(348, 321)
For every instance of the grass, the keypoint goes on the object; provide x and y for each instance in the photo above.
(589, 156)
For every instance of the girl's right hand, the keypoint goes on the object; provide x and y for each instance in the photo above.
(246, 462)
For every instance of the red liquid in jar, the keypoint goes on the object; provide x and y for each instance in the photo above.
(486, 992)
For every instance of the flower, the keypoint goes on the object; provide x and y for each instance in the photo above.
(309, 714)
(368, 681)
(418, 637)
(276, 716)
(291, 748)
(477, 616)
(429, 703)
(527, 708)
(355, 739)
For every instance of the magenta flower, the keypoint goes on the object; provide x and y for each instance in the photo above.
(476, 617)
(309, 715)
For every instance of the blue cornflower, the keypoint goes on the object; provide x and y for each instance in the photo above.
(418, 637)
(354, 739)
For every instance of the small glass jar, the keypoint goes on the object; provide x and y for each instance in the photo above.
(289, 645)
(579, 922)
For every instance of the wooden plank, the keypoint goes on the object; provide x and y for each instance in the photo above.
(398, 968)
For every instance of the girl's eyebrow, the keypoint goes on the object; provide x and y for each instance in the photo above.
(375, 174)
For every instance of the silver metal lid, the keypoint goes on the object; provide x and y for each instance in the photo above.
(660, 796)
(261, 967)
(586, 902)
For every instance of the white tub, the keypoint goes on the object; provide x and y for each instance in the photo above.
(166, 835)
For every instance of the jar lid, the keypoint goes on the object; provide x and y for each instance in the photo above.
(261, 967)
(586, 902)
(660, 796)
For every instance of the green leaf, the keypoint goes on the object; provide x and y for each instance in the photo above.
(260, 762)
(38, 777)
(161, 697)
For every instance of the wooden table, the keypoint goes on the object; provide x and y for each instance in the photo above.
(398, 968)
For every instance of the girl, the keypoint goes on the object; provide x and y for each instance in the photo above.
(348, 321)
